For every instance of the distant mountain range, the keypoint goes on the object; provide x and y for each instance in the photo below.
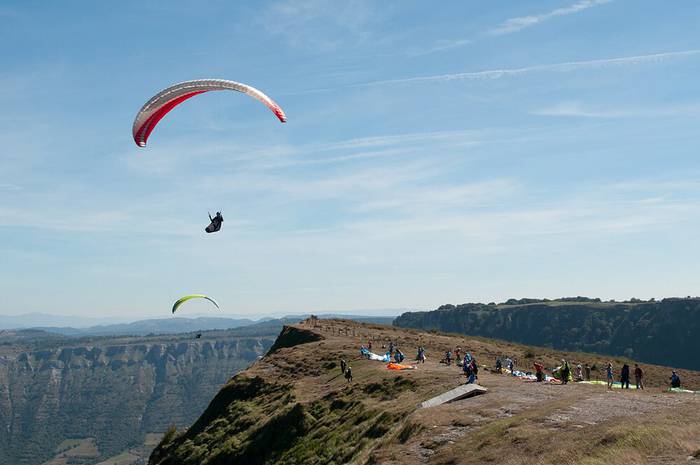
(174, 325)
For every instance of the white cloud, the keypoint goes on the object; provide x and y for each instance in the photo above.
(578, 109)
(439, 199)
(320, 25)
(440, 46)
(510, 25)
(555, 67)
(516, 24)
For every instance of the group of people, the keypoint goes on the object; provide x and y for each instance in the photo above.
(625, 376)
(467, 362)
(564, 372)
(394, 351)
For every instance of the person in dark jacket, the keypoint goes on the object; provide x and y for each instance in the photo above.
(474, 368)
(675, 380)
(565, 371)
(625, 376)
(348, 374)
(343, 366)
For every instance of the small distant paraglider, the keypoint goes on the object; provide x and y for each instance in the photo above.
(215, 224)
(184, 299)
(164, 101)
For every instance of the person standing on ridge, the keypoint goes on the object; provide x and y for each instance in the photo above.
(625, 376)
(565, 371)
(421, 354)
(474, 368)
(609, 374)
(468, 369)
(675, 380)
(638, 376)
(587, 372)
(539, 372)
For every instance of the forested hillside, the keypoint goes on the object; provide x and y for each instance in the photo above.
(664, 332)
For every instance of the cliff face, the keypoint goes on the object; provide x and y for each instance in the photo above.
(664, 332)
(114, 390)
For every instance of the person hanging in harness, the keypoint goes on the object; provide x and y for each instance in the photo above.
(215, 223)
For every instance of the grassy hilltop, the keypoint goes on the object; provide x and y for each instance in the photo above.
(293, 407)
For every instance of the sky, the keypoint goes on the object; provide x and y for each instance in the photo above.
(467, 153)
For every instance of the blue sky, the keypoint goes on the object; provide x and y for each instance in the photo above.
(469, 152)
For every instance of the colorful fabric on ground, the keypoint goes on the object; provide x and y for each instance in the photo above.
(398, 366)
(372, 356)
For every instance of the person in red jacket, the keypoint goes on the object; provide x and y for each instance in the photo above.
(539, 372)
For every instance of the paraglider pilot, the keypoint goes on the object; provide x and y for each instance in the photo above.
(215, 223)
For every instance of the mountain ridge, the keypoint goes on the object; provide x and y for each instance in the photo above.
(661, 332)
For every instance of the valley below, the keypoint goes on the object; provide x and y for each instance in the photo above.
(108, 400)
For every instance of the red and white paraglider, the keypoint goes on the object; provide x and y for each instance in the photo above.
(160, 104)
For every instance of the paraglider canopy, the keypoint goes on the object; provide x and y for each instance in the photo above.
(160, 104)
(184, 299)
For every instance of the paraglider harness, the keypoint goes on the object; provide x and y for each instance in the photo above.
(215, 223)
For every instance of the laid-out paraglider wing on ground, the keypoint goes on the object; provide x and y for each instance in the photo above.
(160, 104)
(184, 299)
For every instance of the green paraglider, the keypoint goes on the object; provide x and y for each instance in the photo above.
(184, 299)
